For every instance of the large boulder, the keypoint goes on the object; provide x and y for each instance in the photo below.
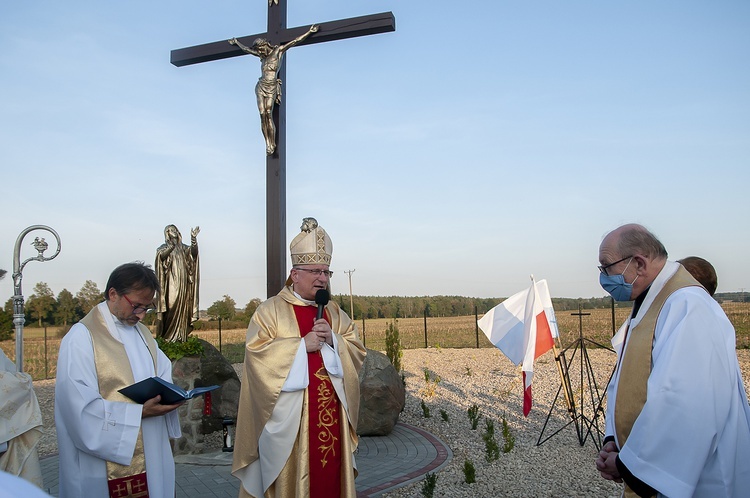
(196, 421)
(382, 395)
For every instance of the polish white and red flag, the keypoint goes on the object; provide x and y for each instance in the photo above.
(523, 327)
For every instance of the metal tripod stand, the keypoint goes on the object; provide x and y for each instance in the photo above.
(588, 414)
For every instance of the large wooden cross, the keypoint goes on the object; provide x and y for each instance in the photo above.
(278, 34)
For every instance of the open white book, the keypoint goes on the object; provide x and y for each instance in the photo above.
(142, 391)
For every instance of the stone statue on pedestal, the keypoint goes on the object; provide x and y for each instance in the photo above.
(178, 272)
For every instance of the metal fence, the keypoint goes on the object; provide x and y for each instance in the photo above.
(41, 346)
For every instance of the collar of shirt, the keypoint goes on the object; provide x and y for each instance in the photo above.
(118, 323)
(306, 301)
(639, 301)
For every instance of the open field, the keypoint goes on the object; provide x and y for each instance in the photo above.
(40, 356)
(461, 332)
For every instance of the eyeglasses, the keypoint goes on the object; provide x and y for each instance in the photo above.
(603, 268)
(137, 310)
(317, 273)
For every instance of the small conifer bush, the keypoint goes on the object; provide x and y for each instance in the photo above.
(509, 440)
(469, 472)
(393, 349)
(473, 413)
(428, 485)
(425, 410)
(491, 448)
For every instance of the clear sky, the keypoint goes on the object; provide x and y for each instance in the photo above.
(479, 143)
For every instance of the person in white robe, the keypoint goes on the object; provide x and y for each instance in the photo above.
(20, 423)
(12, 486)
(93, 430)
(690, 433)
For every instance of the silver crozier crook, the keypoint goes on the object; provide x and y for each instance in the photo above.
(18, 314)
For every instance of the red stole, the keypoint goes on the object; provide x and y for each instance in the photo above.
(324, 417)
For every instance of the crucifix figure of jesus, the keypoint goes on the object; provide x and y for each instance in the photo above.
(278, 36)
(268, 88)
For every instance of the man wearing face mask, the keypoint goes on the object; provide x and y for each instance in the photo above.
(678, 421)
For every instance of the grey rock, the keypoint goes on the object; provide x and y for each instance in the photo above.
(211, 368)
(382, 395)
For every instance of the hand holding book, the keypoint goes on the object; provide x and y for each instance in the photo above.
(142, 391)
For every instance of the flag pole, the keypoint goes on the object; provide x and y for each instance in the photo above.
(564, 379)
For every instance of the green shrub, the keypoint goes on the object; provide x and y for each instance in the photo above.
(489, 428)
(176, 350)
(469, 472)
(431, 383)
(428, 485)
(473, 413)
(425, 410)
(492, 450)
(7, 327)
(509, 440)
(444, 415)
(393, 348)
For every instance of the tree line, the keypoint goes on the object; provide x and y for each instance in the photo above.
(370, 307)
(44, 308)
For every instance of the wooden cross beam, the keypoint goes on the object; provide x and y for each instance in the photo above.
(278, 34)
(329, 31)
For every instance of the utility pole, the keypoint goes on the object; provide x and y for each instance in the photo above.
(351, 299)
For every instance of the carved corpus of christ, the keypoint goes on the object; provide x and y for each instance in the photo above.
(268, 88)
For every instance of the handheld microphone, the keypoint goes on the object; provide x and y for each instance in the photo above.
(321, 299)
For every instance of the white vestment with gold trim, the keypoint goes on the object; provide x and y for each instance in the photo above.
(692, 437)
(92, 430)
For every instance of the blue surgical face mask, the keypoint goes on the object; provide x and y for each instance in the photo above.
(616, 285)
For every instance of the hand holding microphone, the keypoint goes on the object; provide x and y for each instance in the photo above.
(323, 330)
(321, 299)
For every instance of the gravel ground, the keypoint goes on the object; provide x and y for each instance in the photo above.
(460, 378)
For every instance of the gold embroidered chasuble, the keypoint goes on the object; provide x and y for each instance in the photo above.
(273, 340)
(636, 361)
(20, 423)
(114, 372)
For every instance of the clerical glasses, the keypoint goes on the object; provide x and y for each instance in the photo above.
(317, 273)
(603, 268)
(137, 310)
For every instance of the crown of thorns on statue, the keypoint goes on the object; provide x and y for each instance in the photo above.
(259, 42)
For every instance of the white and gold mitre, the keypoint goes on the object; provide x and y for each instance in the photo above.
(312, 246)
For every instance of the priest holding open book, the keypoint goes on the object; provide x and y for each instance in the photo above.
(109, 445)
